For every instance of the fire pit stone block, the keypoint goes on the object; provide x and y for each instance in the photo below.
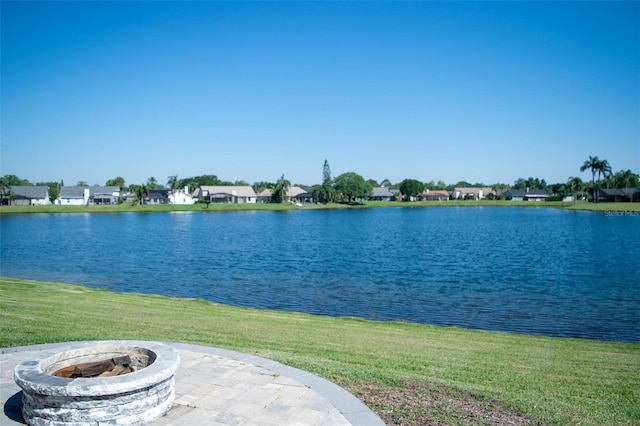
(136, 398)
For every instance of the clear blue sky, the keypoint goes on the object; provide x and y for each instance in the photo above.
(483, 92)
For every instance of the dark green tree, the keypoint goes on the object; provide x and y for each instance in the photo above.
(327, 193)
(261, 186)
(351, 185)
(202, 180)
(13, 180)
(118, 181)
(411, 188)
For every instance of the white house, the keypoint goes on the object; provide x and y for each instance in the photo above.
(472, 193)
(104, 195)
(526, 194)
(227, 194)
(182, 197)
(85, 195)
(73, 196)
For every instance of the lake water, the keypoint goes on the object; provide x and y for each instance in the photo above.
(527, 270)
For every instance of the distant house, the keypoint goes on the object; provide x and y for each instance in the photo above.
(157, 196)
(104, 195)
(295, 194)
(298, 195)
(264, 196)
(434, 195)
(73, 196)
(85, 195)
(25, 195)
(471, 193)
(526, 195)
(181, 197)
(382, 194)
(227, 194)
(618, 195)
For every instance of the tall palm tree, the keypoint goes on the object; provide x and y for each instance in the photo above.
(593, 163)
(605, 170)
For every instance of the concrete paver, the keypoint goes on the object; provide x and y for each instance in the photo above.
(223, 387)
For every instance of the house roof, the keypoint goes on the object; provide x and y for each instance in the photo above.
(72, 191)
(295, 191)
(525, 193)
(93, 190)
(382, 192)
(464, 190)
(619, 191)
(30, 191)
(158, 192)
(240, 191)
(434, 192)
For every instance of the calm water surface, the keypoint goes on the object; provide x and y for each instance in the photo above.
(537, 271)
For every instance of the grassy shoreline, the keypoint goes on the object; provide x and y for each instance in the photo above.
(547, 380)
(121, 208)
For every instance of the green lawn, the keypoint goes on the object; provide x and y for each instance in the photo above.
(550, 380)
(624, 207)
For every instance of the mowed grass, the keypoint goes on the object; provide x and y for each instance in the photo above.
(550, 380)
(127, 207)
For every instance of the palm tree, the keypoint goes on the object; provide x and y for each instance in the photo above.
(280, 190)
(173, 183)
(605, 170)
(141, 191)
(576, 185)
(625, 179)
(593, 163)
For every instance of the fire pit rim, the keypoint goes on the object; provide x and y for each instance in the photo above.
(31, 375)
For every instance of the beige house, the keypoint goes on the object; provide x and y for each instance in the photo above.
(295, 194)
(434, 195)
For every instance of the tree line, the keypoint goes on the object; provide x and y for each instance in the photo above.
(351, 186)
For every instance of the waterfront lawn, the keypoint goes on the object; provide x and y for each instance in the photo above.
(150, 208)
(547, 380)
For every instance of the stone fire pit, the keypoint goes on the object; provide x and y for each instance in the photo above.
(136, 398)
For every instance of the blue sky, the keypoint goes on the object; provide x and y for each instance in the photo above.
(477, 91)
